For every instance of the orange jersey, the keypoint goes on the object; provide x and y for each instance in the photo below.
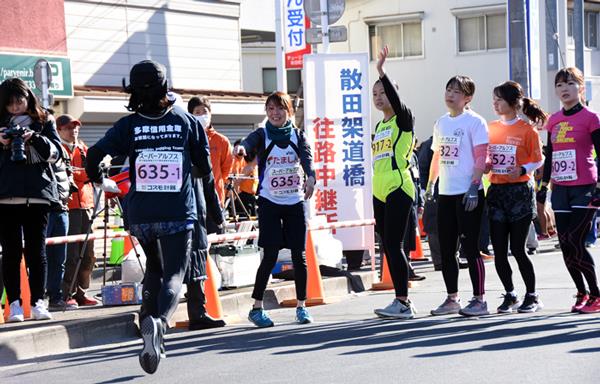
(221, 160)
(84, 197)
(512, 146)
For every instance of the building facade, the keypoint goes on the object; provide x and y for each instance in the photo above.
(198, 41)
(432, 40)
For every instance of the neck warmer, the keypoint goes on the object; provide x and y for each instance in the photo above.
(279, 134)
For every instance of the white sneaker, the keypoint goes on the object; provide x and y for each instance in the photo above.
(40, 311)
(397, 310)
(16, 313)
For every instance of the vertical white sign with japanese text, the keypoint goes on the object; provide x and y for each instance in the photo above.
(337, 115)
(296, 23)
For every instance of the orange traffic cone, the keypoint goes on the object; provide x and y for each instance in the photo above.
(127, 247)
(417, 254)
(4, 302)
(421, 228)
(213, 300)
(386, 278)
(314, 284)
(25, 294)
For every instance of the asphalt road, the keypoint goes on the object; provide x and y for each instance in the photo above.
(348, 344)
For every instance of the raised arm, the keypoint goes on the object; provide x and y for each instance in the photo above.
(404, 116)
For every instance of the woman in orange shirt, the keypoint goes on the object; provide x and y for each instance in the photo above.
(514, 151)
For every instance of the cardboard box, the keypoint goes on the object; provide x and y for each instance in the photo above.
(122, 294)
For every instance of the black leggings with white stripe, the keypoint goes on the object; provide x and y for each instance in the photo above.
(454, 223)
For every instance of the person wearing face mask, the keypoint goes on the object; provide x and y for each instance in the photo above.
(81, 204)
(220, 147)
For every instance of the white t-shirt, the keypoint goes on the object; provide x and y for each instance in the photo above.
(454, 138)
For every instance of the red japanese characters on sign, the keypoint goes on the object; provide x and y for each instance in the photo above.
(324, 157)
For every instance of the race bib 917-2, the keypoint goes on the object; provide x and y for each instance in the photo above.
(382, 145)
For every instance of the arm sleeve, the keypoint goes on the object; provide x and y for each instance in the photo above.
(530, 167)
(480, 155)
(547, 161)
(92, 169)
(115, 142)
(404, 117)
(46, 143)
(596, 141)
(253, 143)
(434, 170)
(226, 160)
(434, 165)
(306, 158)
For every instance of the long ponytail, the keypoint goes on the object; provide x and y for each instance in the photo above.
(534, 112)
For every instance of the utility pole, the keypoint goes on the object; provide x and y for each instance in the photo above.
(325, 25)
(517, 43)
(554, 56)
(578, 33)
(280, 48)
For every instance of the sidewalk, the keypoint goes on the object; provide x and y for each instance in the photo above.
(100, 325)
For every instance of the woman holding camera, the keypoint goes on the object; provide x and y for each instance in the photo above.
(29, 143)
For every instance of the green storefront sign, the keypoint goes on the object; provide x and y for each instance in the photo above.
(22, 66)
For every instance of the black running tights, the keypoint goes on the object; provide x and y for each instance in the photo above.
(270, 254)
(391, 218)
(454, 221)
(516, 232)
(572, 228)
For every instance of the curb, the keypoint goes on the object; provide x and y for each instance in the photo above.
(56, 338)
(24, 344)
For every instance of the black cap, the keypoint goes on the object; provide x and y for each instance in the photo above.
(147, 74)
